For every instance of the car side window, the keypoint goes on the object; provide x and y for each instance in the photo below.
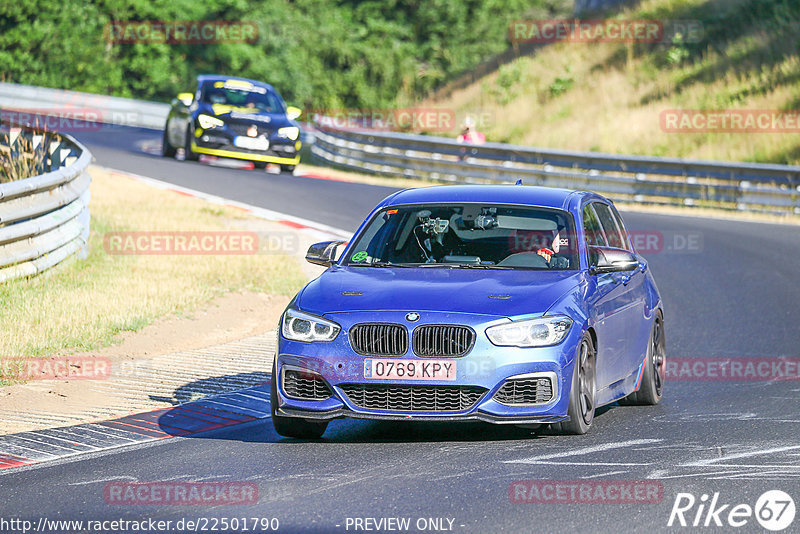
(626, 242)
(592, 228)
(609, 225)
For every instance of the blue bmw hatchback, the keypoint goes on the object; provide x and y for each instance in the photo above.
(506, 304)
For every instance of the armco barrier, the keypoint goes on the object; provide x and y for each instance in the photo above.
(107, 109)
(736, 186)
(44, 219)
(740, 186)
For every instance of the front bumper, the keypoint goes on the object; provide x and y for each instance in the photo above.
(485, 366)
(217, 142)
(478, 416)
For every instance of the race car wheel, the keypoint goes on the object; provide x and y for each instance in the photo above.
(582, 395)
(190, 154)
(287, 168)
(260, 164)
(292, 427)
(167, 150)
(652, 387)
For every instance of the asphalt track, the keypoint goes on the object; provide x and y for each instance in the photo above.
(730, 290)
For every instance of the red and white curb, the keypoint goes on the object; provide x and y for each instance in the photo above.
(209, 413)
(313, 228)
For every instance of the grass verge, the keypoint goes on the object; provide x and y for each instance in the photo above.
(609, 97)
(84, 304)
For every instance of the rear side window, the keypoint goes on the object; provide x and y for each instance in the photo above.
(592, 228)
(609, 225)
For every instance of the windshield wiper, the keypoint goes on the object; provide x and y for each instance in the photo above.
(464, 266)
(482, 266)
(381, 264)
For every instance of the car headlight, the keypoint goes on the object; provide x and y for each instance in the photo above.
(208, 122)
(539, 332)
(299, 326)
(290, 132)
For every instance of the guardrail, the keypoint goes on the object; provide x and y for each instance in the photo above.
(105, 109)
(736, 186)
(44, 219)
(641, 179)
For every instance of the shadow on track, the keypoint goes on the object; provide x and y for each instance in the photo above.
(244, 415)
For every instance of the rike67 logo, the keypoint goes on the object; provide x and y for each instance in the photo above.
(774, 510)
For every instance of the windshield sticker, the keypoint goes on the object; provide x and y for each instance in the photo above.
(359, 256)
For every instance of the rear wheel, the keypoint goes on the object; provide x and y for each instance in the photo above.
(167, 150)
(582, 395)
(292, 427)
(190, 154)
(652, 387)
(287, 168)
(260, 164)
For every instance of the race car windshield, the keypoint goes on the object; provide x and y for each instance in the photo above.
(479, 236)
(257, 98)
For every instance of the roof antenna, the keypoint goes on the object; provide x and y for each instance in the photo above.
(519, 182)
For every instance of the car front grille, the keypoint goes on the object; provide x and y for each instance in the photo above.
(240, 128)
(519, 391)
(448, 341)
(305, 385)
(379, 339)
(413, 398)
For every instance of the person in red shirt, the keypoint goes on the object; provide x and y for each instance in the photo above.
(469, 135)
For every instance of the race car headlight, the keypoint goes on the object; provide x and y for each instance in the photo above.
(289, 132)
(539, 332)
(299, 326)
(208, 122)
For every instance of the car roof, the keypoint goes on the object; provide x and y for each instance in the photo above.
(203, 78)
(547, 197)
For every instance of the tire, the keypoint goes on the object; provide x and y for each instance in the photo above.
(292, 427)
(167, 150)
(582, 393)
(287, 168)
(260, 164)
(190, 155)
(652, 387)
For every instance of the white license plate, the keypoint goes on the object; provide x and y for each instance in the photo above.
(396, 369)
(251, 143)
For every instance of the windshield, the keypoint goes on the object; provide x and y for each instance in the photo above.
(247, 96)
(482, 236)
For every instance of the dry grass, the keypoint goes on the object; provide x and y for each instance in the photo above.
(601, 97)
(83, 305)
(28, 158)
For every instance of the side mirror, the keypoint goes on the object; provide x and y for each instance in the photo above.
(323, 253)
(611, 260)
(292, 113)
(186, 99)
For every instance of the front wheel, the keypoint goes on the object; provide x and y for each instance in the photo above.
(292, 427)
(582, 394)
(287, 168)
(652, 387)
(190, 155)
(167, 150)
